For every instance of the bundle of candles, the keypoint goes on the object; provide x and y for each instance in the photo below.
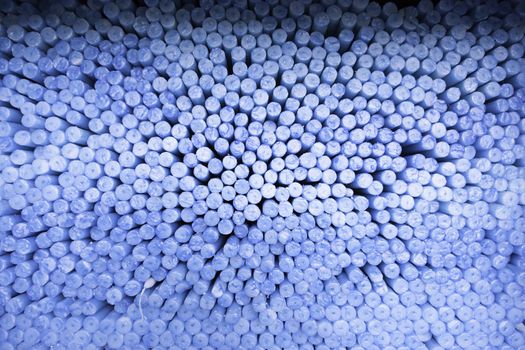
(249, 174)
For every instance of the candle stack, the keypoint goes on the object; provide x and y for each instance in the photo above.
(262, 175)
